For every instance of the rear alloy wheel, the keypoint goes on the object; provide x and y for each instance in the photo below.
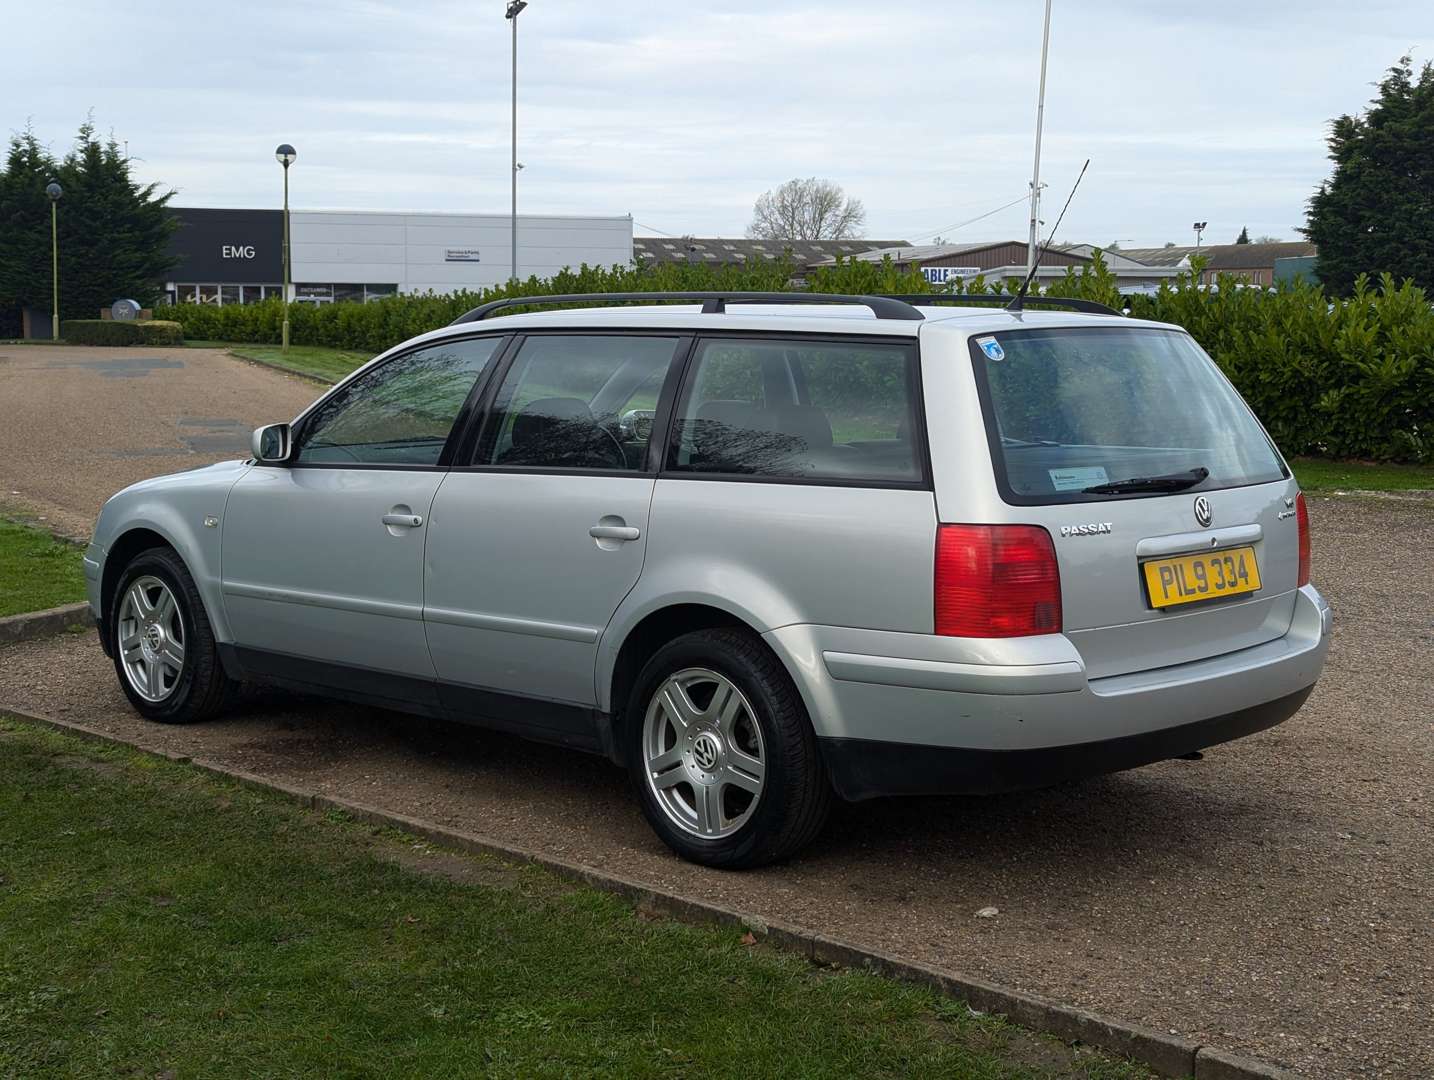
(704, 754)
(164, 649)
(723, 757)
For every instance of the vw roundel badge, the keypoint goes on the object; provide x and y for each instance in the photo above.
(992, 348)
(1203, 513)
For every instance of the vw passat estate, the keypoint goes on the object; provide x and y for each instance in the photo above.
(760, 551)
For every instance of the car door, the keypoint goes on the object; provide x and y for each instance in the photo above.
(322, 560)
(535, 543)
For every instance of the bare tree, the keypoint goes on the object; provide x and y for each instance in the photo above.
(1267, 239)
(809, 209)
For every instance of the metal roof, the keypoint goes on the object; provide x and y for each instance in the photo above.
(648, 250)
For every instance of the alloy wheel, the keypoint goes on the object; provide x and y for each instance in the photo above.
(702, 748)
(150, 636)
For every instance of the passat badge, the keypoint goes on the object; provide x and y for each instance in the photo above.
(992, 348)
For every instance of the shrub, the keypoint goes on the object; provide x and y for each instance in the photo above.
(115, 332)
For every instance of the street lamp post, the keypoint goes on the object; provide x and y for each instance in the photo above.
(284, 154)
(54, 190)
(515, 8)
(1199, 228)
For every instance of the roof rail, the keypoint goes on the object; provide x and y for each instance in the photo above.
(713, 303)
(1090, 307)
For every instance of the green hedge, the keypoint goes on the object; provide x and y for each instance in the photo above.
(114, 332)
(1344, 378)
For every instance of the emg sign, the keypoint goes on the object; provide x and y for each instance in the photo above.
(237, 251)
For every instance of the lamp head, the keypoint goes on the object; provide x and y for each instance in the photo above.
(515, 8)
(54, 190)
(285, 154)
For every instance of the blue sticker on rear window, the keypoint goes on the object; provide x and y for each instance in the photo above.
(992, 348)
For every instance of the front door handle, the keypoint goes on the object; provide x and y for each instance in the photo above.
(403, 521)
(614, 532)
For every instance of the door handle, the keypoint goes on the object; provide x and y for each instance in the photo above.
(614, 532)
(403, 521)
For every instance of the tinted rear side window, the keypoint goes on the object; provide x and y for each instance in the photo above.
(1074, 408)
(798, 410)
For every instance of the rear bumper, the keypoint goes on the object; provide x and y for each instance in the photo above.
(906, 713)
(865, 769)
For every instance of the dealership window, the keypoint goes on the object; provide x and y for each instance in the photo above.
(341, 292)
(187, 293)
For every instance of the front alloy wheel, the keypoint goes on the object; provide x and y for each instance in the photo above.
(163, 644)
(150, 639)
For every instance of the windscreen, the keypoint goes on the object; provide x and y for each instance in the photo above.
(1078, 414)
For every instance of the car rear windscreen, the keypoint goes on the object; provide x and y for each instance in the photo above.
(1077, 414)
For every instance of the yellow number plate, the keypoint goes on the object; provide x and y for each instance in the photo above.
(1188, 578)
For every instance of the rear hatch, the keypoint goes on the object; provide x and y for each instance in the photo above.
(1171, 512)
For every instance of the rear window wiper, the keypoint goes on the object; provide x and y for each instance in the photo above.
(1168, 482)
(1011, 440)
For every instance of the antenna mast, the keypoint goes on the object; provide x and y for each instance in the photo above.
(1035, 237)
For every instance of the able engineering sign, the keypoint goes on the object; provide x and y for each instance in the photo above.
(940, 275)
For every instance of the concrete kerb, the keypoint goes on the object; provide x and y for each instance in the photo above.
(51, 621)
(1168, 1055)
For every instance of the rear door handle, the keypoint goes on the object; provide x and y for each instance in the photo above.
(614, 532)
(403, 521)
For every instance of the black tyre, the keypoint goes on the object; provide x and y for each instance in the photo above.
(164, 651)
(722, 754)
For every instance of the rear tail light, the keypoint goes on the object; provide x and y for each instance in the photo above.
(996, 581)
(1302, 516)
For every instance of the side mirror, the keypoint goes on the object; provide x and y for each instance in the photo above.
(272, 444)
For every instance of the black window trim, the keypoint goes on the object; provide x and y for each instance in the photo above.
(455, 432)
(480, 423)
(910, 344)
(1076, 498)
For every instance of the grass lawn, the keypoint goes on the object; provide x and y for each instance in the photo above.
(331, 365)
(36, 570)
(161, 921)
(1321, 474)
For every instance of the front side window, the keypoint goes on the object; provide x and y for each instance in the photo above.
(401, 412)
(1079, 414)
(578, 401)
(799, 410)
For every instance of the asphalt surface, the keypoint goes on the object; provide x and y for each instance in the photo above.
(1275, 899)
(77, 424)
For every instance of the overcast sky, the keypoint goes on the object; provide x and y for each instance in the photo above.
(681, 114)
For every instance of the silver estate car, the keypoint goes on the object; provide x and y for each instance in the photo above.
(759, 552)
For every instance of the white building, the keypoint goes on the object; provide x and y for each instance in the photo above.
(236, 256)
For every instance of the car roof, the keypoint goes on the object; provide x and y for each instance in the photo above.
(833, 319)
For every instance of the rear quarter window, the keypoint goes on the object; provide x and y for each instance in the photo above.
(799, 409)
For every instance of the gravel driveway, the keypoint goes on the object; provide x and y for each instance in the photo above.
(77, 424)
(1276, 898)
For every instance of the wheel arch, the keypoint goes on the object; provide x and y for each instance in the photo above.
(654, 630)
(143, 535)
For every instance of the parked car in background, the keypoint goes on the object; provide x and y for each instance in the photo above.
(760, 554)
